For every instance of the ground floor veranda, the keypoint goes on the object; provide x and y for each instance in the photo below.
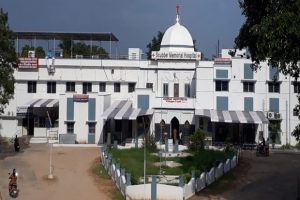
(121, 122)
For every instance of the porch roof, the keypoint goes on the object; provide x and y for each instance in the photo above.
(123, 110)
(246, 117)
(40, 103)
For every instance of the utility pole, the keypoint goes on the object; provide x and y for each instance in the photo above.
(50, 176)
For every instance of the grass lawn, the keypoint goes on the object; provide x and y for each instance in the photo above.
(133, 162)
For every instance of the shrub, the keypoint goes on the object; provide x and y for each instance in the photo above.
(197, 140)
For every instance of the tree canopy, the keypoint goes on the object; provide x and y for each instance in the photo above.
(154, 45)
(271, 33)
(70, 47)
(8, 61)
(39, 51)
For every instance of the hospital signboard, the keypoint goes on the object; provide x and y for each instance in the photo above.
(28, 63)
(174, 55)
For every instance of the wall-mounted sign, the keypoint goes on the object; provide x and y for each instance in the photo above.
(156, 55)
(222, 61)
(175, 99)
(23, 112)
(28, 63)
(80, 98)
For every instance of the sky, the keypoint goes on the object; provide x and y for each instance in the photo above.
(133, 22)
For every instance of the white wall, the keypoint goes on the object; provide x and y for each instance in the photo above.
(8, 127)
(199, 74)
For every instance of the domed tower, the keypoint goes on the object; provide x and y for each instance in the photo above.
(177, 38)
(177, 43)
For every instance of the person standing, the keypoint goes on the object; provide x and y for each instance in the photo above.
(180, 137)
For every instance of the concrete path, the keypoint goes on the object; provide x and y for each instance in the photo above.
(71, 168)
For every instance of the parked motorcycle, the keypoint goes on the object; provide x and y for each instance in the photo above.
(17, 144)
(13, 188)
(262, 150)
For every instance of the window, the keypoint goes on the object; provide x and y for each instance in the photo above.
(295, 112)
(39, 122)
(221, 85)
(274, 131)
(222, 103)
(274, 87)
(70, 127)
(273, 73)
(70, 86)
(187, 90)
(86, 87)
(221, 73)
(149, 85)
(143, 101)
(248, 104)
(165, 90)
(102, 87)
(176, 90)
(248, 72)
(31, 86)
(117, 87)
(248, 86)
(296, 87)
(274, 105)
(51, 87)
(118, 125)
(131, 87)
(209, 126)
(92, 128)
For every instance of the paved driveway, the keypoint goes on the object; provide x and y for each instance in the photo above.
(264, 178)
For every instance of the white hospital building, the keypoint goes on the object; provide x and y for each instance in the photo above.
(94, 100)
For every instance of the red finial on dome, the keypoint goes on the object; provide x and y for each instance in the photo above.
(177, 8)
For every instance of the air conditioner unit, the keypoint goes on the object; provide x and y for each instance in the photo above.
(270, 115)
(277, 116)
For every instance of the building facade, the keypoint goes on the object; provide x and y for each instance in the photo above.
(105, 100)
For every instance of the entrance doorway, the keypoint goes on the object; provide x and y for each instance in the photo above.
(174, 129)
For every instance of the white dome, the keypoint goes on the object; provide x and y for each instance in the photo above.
(177, 38)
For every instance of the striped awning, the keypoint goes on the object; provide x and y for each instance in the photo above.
(123, 110)
(246, 117)
(37, 103)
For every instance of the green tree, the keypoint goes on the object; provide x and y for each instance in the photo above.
(197, 140)
(66, 46)
(154, 45)
(25, 50)
(8, 61)
(99, 51)
(271, 33)
(40, 52)
(80, 48)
